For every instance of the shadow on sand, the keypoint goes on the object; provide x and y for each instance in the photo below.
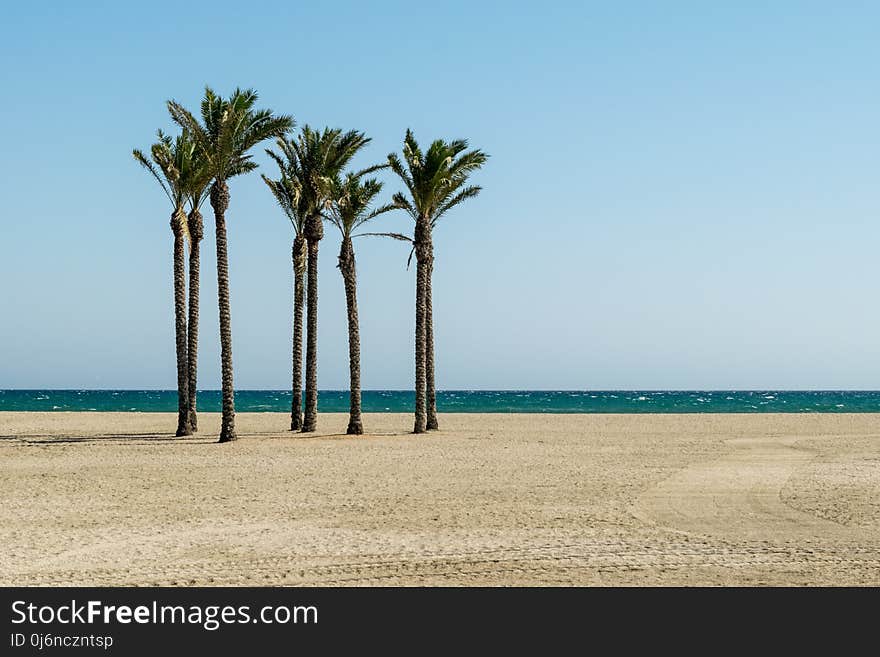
(115, 438)
(166, 438)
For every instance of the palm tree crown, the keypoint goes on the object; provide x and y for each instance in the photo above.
(352, 201)
(315, 158)
(173, 162)
(229, 129)
(287, 189)
(197, 183)
(435, 179)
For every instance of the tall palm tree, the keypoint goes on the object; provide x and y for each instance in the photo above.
(351, 208)
(436, 182)
(229, 129)
(170, 162)
(288, 194)
(196, 186)
(313, 159)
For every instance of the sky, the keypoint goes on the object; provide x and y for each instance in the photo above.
(680, 195)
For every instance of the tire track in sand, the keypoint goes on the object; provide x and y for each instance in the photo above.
(738, 496)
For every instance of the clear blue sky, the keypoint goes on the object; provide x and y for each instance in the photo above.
(680, 194)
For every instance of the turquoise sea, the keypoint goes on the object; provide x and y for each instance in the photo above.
(466, 401)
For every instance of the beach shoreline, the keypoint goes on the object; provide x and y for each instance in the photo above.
(492, 499)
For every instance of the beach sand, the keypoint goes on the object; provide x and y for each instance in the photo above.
(114, 499)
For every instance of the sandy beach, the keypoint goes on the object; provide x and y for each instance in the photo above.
(115, 499)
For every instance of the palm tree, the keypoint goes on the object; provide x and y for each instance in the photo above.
(288, 194)
(229, 129)
(435, 182)
(349, 210)
(169, 162)
(196, 187)
(313, 160)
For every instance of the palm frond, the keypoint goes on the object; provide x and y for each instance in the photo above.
(382, 209)
(370, 169)
(403, 203)
(396, 236)
(401, 172)
(264, 125)
(288, 199)
(182, 117)
(463, 195)
(144, 162)
(467, 163)
(241, 167)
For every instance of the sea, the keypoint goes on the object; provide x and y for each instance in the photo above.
(466, 401)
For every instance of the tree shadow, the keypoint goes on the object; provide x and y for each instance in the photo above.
(108, 438)
(364, 436)
(139, 438)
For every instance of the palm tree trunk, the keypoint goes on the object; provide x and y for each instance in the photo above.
(219, 202)
(349, 277)
(299, 265)
(431, 393)
(178, 220)
(421, 248)
(314, 231)
(195, 234)
(421, 383)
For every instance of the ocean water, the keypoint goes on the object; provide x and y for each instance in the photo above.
(465, 401)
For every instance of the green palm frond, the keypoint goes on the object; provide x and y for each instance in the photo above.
(467, 164)
(401, 172)
(242, 166)
(288, 197)
(463, 195)
(382, 209)
(401, 202)
(279, 160)
(149, 166)
(371, 169)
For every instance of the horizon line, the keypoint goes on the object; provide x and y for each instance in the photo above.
(283, 390)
